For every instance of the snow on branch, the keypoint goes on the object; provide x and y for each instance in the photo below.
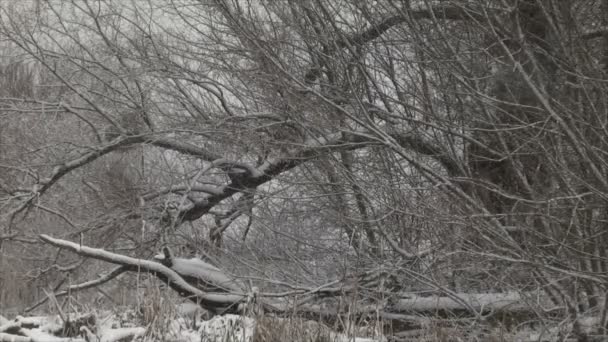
(211, 301)
(312, 148)
(197, 271)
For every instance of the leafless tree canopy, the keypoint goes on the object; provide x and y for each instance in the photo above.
(312, 149)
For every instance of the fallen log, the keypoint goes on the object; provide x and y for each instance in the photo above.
(216, 302)
(213, 290)
(200, 273)
(480, 302)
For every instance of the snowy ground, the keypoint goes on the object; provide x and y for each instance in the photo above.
(109, 327)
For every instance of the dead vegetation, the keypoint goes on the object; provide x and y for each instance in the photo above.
(402, 169)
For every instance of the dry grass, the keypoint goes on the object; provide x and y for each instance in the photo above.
(157, 310)
(295, 329)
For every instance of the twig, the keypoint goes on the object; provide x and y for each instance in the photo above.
(86, 285)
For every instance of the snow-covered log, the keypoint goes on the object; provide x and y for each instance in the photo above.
(201, 273)
(414, 309)
(211, 301)
(508, 302)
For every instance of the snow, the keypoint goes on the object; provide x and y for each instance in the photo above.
(227, 328)
(189, 310)
(14, 338)
(47, 324)
(8, 325)
(189, 336)
(478, 301)
(206, 272)
(114, 335)
(41, 336)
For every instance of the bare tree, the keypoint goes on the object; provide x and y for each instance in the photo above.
(447, 147)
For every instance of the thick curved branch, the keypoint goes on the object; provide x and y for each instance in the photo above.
(417, 144)
(439, 12)
(313, 148)
(378, 29)
(269, 170)
(204, 188)
(184, 148)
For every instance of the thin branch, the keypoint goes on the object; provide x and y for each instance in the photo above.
(83, 286)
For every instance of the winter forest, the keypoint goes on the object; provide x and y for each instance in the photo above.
(303, 170)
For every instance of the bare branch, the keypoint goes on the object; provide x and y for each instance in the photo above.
(83, 286)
